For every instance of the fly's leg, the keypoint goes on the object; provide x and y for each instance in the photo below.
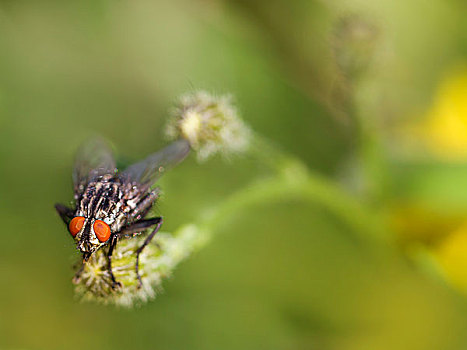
(145, 243)
(139, 226)
(136, 227)
(113, 243)
(66, 214)
(77, 277)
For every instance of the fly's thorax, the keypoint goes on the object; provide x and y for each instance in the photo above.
(102, 200)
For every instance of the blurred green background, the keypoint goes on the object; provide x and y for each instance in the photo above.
(371, 95)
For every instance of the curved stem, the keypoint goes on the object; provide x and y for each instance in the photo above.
(291, 180)
(312, 188)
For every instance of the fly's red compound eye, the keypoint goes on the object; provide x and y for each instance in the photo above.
(76, 224)
(102, 230)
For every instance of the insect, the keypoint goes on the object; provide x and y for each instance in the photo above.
(112, 204)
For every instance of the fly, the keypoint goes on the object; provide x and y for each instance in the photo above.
(112, 204)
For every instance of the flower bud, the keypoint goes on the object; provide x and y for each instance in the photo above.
(210, 124)
(95, 283)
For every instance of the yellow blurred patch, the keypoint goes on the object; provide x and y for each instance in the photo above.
(418, 224)
(445, 128)
(451, 255)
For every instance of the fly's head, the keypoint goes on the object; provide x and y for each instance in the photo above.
(90, 234)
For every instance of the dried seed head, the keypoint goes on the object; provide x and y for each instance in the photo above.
(156, 262)
(211, 125)
(95, 282)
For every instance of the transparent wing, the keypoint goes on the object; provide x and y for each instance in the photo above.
(93, 159)
(147, 171)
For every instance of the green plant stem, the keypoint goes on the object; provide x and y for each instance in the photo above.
(312, 188)
(292, 180)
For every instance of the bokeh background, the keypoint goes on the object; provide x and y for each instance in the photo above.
(371, 95)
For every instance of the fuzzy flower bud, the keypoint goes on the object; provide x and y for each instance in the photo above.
(156, 262)
(355, 40)
(210, 124)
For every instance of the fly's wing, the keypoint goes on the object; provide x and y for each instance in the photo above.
(93, 160)
(150, 169)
